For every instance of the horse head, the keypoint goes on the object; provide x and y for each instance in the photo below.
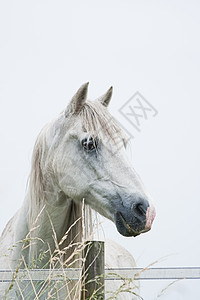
(90, 162)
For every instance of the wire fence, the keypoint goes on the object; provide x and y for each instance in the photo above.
(165, 273)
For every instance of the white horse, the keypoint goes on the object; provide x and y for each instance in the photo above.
(79, 155)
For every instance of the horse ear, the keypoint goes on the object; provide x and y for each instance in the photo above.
(105, 99)
(77, 102)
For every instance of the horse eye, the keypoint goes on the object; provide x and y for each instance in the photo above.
(89, 144)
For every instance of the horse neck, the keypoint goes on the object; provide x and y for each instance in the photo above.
(55, 227)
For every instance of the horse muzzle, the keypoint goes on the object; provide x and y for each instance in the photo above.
(135, 220)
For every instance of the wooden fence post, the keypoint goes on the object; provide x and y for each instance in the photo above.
(93, 271)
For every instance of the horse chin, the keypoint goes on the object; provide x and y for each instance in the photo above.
(125, 229)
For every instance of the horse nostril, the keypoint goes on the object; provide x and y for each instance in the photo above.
(141, 207)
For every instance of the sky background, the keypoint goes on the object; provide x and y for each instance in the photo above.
(49, 48)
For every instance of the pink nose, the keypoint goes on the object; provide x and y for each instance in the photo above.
(150, 216)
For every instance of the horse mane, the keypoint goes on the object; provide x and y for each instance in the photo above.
(36, 180)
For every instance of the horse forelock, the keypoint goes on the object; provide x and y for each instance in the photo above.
(98, 122)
